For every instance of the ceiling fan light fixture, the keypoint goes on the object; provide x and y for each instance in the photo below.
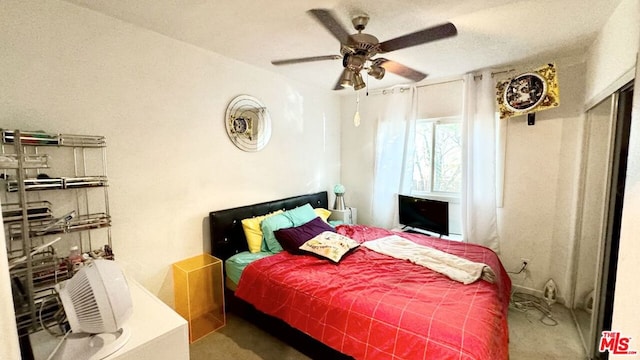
(355, 62)
(358, 82)
(347, 77)
(376, 71)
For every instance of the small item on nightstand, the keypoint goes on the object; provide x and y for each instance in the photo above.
(108, 252)
(338, 190)
(75, 258)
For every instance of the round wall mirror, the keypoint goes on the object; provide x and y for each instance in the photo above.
(248, 123)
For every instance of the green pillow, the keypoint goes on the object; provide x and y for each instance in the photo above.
(269, 225)
(301, 215)
(295, 217)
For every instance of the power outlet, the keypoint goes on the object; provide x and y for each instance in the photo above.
(524, 268)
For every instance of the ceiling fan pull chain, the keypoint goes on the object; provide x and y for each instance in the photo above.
(367, 84)
(356, 116)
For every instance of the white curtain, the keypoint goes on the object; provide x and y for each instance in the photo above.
(479, 213)
(393, 168)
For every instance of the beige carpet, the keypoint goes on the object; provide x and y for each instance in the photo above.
(530, 339)
(240, 339)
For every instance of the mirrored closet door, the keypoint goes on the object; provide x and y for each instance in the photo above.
(603, 167)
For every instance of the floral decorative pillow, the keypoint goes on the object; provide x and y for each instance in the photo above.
(330, 245)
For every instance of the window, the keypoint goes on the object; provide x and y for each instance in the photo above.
(437, 168)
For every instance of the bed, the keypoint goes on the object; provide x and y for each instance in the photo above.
(368, 305)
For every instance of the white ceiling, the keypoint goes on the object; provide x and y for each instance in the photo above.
(491, 33)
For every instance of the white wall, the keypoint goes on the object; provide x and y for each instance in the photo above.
(161, 105)
(542, 162)
(358, 152)
(613, 53)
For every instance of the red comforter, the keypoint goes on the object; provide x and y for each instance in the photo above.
(372, 306)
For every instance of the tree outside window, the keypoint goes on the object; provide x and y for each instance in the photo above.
(437, 166)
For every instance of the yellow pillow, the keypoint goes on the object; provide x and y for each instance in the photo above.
(323, 213)
(253, 231)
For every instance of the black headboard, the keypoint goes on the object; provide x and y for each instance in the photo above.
(227, 236)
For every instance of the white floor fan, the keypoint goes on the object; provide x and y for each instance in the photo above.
(97, 303)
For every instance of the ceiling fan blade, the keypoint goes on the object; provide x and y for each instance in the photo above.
(419, 37)
(400, 69)
(329, 21)
(306, 59)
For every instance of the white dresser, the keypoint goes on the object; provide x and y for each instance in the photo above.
(157, 333)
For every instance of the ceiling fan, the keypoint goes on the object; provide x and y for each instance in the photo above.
(357, 50)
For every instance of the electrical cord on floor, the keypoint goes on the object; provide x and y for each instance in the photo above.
(526, 302)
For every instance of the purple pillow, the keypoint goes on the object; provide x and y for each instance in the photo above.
(292, 238)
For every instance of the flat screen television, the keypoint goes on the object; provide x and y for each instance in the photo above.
(424, 214)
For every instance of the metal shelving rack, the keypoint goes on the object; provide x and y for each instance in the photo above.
(29, 220)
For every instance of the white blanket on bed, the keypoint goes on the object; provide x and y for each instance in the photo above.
(455, 267)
